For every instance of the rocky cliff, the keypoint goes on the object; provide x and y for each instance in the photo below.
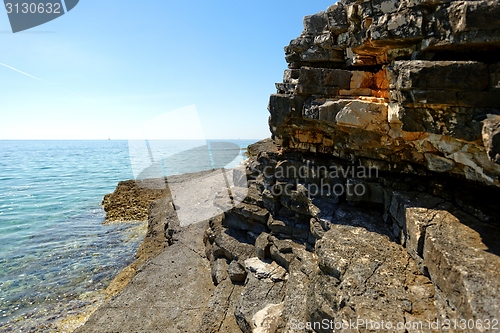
(374, 207)
(405, 86)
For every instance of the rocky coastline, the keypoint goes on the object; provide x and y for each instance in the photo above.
(373, 207)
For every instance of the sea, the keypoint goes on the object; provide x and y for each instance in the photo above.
(56, 255)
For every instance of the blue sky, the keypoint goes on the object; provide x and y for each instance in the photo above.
(106, 67)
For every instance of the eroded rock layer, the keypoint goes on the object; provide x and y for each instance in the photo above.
(403, 85)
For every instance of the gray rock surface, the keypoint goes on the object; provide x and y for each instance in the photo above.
(168, 294)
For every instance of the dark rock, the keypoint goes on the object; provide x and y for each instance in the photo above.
(491, 138)
(283, 107)
(317, 229)
(270, 203)
(482, 99)
(256, 296)
(455, 122)
(254, 196)
(236, 272)
(281, 225)
(404, 27)
(262, 246)
(337, 18)
(316, 23)
(238, 222)
(495, 76)
(403, 111)
(232, 244)
(253, 213)
(443, 75)
(281, 258)
(266, 145)
(470, 16)
(294, 306)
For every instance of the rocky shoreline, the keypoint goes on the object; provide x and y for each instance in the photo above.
(255, 269)
(374, 207)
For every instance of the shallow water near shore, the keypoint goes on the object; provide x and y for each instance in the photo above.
(56, 256)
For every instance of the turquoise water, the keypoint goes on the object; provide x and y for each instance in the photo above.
(54, 249)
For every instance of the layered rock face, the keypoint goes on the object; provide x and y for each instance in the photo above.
(404, 85)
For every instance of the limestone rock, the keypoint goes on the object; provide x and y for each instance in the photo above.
(214, 318)
(266, 320)
(471, 286)
(443, 75)
(232, 244)
(236, 272)
(265, 270)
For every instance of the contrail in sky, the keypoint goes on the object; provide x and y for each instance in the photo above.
(36, 78)
(17, 70)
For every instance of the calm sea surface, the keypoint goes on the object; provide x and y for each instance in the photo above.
(55, 254)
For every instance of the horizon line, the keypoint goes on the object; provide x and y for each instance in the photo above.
(131, 139)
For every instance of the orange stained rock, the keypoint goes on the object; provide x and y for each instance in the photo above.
(380, 79)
